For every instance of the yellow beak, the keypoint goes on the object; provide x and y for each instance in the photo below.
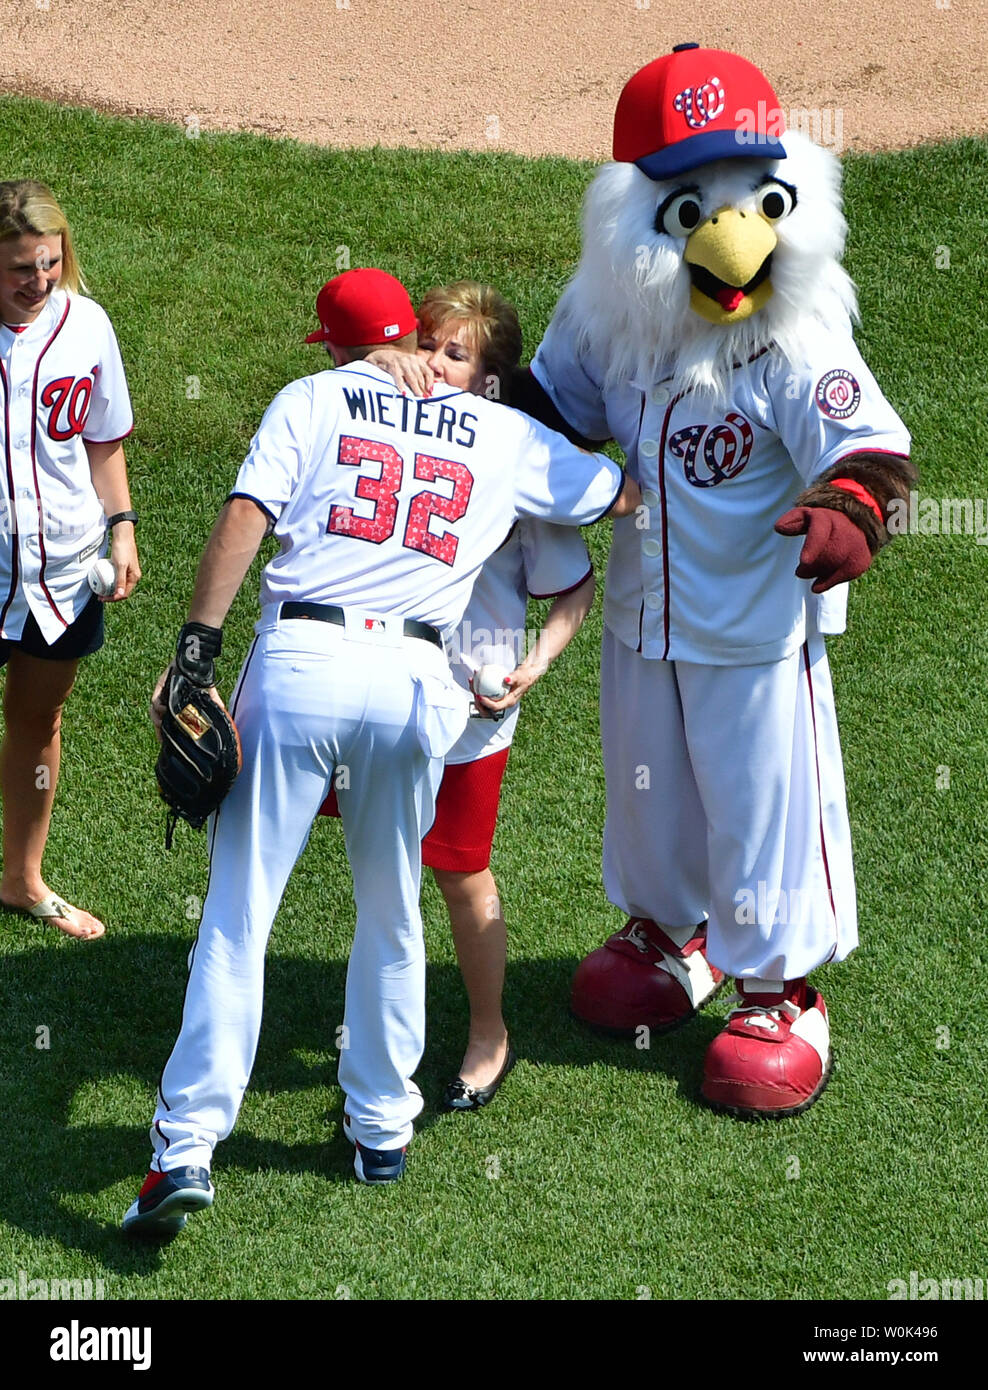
(728, 258)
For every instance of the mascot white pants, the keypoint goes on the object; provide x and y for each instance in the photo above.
(726, 803)
(727, 844)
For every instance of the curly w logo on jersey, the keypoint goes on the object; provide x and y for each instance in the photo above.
(713, 453)
(69, 399)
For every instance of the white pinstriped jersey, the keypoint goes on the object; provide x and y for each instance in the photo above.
(699, 574)
(538, 560)
(62, 382)
(390, 504)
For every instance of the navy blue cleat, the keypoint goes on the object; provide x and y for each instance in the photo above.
(374, 1165)
(165, 1200)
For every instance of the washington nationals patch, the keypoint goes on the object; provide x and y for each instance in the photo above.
(838, 394)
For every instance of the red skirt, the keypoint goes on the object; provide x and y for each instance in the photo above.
(466, 813)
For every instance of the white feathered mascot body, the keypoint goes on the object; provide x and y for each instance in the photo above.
(707, 330)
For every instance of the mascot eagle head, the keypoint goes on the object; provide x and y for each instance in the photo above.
(709, 237)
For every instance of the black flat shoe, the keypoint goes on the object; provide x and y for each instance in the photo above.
(459, 1096)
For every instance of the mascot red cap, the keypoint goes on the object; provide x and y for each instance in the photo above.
(695, 105)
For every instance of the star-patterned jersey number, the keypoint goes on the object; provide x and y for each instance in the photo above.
(383, 492)
(427, 504)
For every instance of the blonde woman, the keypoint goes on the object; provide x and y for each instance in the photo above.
(469, 336)
(63, 486)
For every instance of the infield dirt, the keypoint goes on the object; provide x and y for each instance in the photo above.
(531, 77)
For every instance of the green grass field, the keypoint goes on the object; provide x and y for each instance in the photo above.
(597, 1175)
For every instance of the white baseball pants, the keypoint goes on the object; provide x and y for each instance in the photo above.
(313, 698)
(725, 799)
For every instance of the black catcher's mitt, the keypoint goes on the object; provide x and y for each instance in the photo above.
(200, 752)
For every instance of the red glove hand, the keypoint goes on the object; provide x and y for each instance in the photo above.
(835, 549)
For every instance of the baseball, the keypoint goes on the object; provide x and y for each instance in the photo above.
(103, 578)
(490, 681)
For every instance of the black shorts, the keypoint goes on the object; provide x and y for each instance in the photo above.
(81, 638)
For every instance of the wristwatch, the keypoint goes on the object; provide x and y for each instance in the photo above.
(111, 521)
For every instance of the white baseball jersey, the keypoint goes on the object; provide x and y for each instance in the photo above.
(538, 560)
(63, 383)
(699, 574)
(386, 506)
(399, 529)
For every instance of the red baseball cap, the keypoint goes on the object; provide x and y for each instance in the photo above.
(695, 105)
(363, 306)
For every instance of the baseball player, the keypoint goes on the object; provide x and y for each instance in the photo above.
(708, 330)
(469, 336)
(66, 410)
(384, 507)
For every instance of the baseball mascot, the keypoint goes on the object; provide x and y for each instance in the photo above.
(708, 331)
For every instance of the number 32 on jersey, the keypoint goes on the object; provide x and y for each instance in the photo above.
(383, 492)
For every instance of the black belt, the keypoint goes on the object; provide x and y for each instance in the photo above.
(329, 613)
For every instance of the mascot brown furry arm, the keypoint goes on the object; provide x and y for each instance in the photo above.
(852, 500)
(709, 329)
(882, 478)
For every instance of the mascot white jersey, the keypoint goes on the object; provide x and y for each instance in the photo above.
(708, 331)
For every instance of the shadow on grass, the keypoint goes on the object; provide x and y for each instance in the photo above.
(109, 1013)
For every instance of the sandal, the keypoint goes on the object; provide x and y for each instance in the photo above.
(54, 906)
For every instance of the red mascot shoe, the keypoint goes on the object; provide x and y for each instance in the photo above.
(773, 1059)
(641, 977)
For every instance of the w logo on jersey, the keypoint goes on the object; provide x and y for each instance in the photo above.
(713, 453)
(69, 401)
